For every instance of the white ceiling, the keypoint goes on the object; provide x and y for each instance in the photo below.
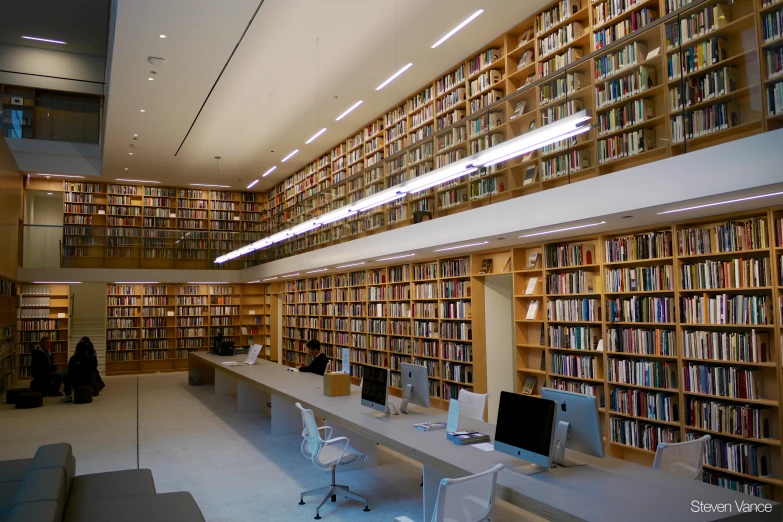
(266, 99)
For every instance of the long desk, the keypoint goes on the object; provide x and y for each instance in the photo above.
(604, 490)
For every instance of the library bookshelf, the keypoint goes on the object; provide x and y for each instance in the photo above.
(44, 311)
(418, 313)
(673, 328)
(151, 327)
(9, 342)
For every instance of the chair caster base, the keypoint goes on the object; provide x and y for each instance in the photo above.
(334, 498)
(318, 517)
(301, 502)
(366, 508)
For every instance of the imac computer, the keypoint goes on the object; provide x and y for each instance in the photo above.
(577, 425)
(524, 429)
(375, 388)
(415, 387)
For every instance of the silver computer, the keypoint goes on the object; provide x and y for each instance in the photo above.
(577, 425)
(415, 386)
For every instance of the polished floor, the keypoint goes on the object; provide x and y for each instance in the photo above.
(194, 441)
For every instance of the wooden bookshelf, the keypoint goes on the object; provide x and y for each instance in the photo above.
(123, 328)
(9, 341)
(44, 311)
(255, 319)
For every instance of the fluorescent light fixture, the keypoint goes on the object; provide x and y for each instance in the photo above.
(331, 217)
(253, 282)
(396, 257)
(130, 154)
(41, 175)
(378, 199)
(308, 142)
(47, 40)
(163, 36)
(252, 184)
(205, 185)
(137, 282)
(142, 110)
(706, 205)
(460, 26)
(393, 76)
(268, 172)
(289, 156)
(135, 135)
(315, 271)
(208, 283)
(564, 229)
(352, 107)
(270, 278)
(461, 246)
(352, 264)
(57, 282)
(50, 193)
(438, 176)
(137, 180)
(151, 78)
(291, 275)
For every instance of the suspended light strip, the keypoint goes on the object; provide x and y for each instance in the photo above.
(270, 278)
(393, 76)
(352, 264)
(564, 229)
(137, 282)
(308, 142)
(706, 205)
(47, 40)
(461, 246)
(352, 107)
(529, 141)
(253, 282)
(289, 156)
(252, 184)
(291, 275)
(208, 283)
(57, 282)
(316, 271)
(268, 172)
(460, 26)
(39, 174)
(205, 185)
(396, 257)
(136, 180)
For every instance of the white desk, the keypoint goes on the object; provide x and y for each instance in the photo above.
(605, 490)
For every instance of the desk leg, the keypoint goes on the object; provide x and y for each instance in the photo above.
(200, 373)
(225, 384)
(432, 478)
(286, 417)
(250, 398)
(362, 444)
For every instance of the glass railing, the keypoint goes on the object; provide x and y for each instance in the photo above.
(52, 118)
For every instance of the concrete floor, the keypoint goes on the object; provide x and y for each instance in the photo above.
(197, 442)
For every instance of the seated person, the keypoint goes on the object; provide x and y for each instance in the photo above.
(320, 360)
(46, 377)
(81, 370)
(99, 384)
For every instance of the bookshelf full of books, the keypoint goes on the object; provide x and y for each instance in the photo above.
(255, 320)
(771, 43)
(9, 342)
(676, 328)
(417, 313)
(123, 328)
(44, 311)
(84, 223)
(159, 226)
(124, 222)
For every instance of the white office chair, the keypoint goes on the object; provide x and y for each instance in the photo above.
(326, 455)
(467, 499)
(472, 404)
(682, 458)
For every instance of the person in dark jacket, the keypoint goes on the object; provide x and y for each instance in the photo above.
(81, 369)
(99, 384)
(46, 377)
(320, 360)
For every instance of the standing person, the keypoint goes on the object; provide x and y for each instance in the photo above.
(320, 360)
(216, 341)
(99, 384)
(46, 377)
(82, 369)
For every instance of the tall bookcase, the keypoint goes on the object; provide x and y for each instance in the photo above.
(771, 45)
(123, 328)
(44, 311)
(9, 343)
(255, 320)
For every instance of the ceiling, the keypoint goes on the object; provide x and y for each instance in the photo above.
(82, 24)
(300, 64)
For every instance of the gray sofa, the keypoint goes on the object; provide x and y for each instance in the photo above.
(45, 488)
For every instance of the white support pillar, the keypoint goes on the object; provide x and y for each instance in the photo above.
(286, 417)
(225, 384)
(250, 398)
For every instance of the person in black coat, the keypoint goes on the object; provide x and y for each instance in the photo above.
(320, 360)
(46, 377)
(81, 369)
(99, 384)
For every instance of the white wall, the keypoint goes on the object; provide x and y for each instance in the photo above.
(42, 243)
(56, 157)
(499, 326)
(45, 69)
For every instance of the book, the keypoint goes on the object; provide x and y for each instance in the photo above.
(519, 109)
(530, 79)
(464, 438)
(486, 266)
(530, 383)
(523, 38)
(532, 260)
(532, 310)
(430, 426)
(530, 175)
(531, 285)
(532, 125)
(524, 60)
(507, 266)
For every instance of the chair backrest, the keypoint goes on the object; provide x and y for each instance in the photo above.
(328, 366)
(311, 443)
(682, 458)
(472, 404)
(467, 499)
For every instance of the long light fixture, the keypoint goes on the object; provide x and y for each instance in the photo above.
(727, 202)
(291, 275)
(460, 26)
(57, 282)
(205, 185)
(308, 142)
(396, 257)
(393, 76)
(352, 264)
(316, 271)
(137, 180)
(252, 184)
(47, 40)
(208, 283)
(289, 156)
(268, 172)
(461, 246)
(270, 278)
(42, 175)
(532, 140)
(564, 229)
(253, 282)
(137, 282)
(352, 107)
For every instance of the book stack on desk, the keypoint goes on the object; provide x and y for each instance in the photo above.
(463, 438)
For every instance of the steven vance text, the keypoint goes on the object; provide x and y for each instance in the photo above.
(698, 506)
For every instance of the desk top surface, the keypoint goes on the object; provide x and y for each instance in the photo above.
(604, 490)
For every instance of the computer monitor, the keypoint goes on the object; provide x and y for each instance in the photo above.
(524, 428)
(582, 431)
(415, 388)
(375, 388)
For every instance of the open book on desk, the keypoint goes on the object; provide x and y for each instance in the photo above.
(251, 357)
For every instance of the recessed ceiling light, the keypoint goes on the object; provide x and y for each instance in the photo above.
(49, 193)
(721, 203)
(137, 180)
(57, 282)
(352, 264)
(315, 271)
(460, 26)
(43, 40)
(135, 135)
(150, 78)
(163, 36)
(461, 246)
(396, 257)
(142, 110)
(289, 156)
(564, 229)
(43, 175)
(268, 172)
(130, 154)
(291, 275)
(393, 76)
(205, 185)
(308, 142)
(270, 278)
(352, 107)
(252, 184)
